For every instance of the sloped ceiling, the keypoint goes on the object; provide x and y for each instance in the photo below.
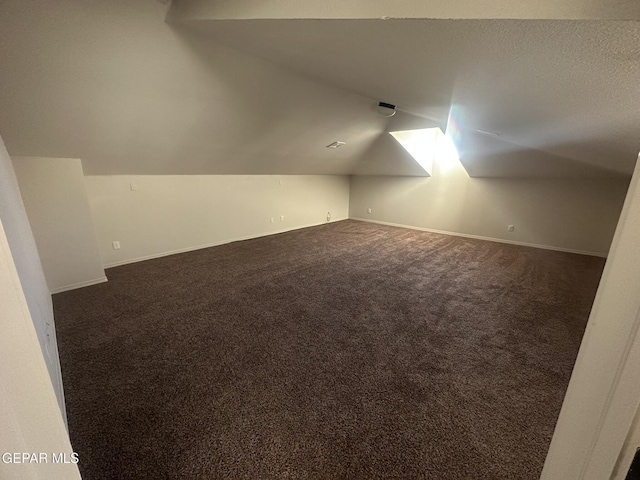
(567, 88)
(221, 89)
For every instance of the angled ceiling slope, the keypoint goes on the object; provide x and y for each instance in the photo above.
(220, 89)
(534, 96)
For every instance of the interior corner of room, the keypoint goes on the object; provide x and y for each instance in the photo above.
(140, 130)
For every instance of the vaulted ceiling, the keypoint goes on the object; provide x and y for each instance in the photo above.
(248, 87)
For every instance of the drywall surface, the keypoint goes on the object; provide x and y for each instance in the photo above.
(113, 84)
(575, 215)
(156, 215)
(30, 419)
(56, 202)
(27, 262)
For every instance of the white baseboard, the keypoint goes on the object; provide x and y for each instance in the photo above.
(489, 239)
(218, 243)
(79, 285)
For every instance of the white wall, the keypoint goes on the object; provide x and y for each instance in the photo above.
(27, 261)
(30, 419)
(56, 202)
(571, 214)
(171, 213)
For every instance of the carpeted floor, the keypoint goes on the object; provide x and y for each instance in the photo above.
(349, 350)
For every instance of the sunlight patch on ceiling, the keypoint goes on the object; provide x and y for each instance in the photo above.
(429, 147)
(420, 144)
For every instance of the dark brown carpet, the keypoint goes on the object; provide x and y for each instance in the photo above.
(349, 350)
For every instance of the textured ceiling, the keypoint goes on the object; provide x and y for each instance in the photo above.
(567, 88)
(113, 84)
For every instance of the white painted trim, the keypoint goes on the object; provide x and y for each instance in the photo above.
(73, 286)
(621, 406)
(628, 450)
(218, 243)
(479, 237)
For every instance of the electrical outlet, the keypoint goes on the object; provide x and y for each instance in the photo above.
(511, 228)
(368, 210)
(116, 245)
(328, 216)
(282, 218)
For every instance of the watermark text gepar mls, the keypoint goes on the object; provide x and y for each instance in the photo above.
(40, 457)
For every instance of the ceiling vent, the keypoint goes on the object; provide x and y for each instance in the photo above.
(386, 109)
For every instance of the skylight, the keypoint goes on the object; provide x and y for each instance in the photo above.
(428, 145)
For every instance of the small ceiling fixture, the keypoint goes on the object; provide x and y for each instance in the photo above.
(336, 144)
(386, 109)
